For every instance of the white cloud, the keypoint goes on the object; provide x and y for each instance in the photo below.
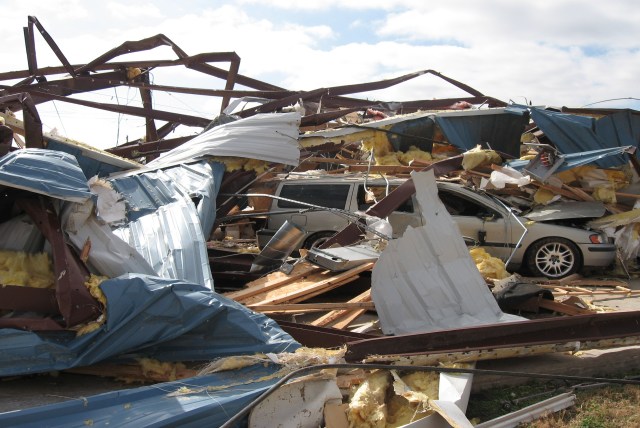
(553, 52)
(133, 10)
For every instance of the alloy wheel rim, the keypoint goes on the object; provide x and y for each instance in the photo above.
(555, 259)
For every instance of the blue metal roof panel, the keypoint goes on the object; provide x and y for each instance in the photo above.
(148, 316)
(47, 172)
(164, 226)
(204, 401)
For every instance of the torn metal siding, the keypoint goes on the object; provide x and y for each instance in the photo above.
(164, 226)
(46, 172)
(204, 401)
(426, 280)
(572, 160)
(575, 134)
(496, 129)
(202, 182)
(269, 137)
(109, 254)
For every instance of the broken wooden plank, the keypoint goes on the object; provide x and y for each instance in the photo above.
(311, 307)
(339, 314)
(272, 281)
(296, 292)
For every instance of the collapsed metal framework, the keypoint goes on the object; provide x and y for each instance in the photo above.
(325, 104)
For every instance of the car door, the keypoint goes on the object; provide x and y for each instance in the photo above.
(329, 195)
(479, 219)
(405, 215)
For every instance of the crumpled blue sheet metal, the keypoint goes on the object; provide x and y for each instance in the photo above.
(45, 172)
(164, 226)
(574, 134)
(204, 401)
(92, 161)
(149, 316)
(573, 160)
(498, 129)
(202, 180)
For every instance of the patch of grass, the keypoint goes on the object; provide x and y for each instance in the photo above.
(611, 406)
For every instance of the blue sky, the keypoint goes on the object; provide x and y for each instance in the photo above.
(551, 52)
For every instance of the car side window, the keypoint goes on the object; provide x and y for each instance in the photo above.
(366, 200)
(325, 195)
(460, 206)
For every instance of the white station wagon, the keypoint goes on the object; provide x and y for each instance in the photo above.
(549, 241)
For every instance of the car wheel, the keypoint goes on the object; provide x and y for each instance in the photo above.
(553, 257)
(317, 239)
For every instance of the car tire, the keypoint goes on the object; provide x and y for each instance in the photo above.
(553, 258)
(317, 239)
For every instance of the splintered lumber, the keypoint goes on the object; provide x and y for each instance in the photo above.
(273, 281)
(306, 288)
(310, 307)
(344, 316)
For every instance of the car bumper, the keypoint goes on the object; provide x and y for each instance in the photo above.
(598, 255)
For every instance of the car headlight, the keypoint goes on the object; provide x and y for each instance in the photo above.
(598, 238)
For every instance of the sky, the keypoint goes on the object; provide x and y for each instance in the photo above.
(574, 53)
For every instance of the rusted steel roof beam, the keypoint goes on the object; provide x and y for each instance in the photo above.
(32, 20)
(32, 123)
(591, 327)
(133, 111)
(321, 118)
(408, 106)
(132, 151)
(70, 86)
(321, 337)
(74, 300)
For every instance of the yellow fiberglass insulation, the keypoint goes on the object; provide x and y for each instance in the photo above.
(154, 368)
(605, 194)
(367, 408)
(378, 142)
(93, 284)
(490, 267)
(412, 403)
(479, 157)
(388, 159)
(414, 153)
(543, 196)
(26, 269)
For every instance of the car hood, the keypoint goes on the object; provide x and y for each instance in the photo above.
(566, 210)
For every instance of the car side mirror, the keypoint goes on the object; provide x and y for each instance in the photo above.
(486, 216)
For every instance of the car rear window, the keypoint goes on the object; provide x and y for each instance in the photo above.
(325, 195)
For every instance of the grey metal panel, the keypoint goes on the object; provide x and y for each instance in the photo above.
(271, 137)
(202, 182)
(46, 172)
(164, 227)
(426, 280)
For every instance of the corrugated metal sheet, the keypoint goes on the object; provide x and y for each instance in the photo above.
(269, 137)
(148, 316)
(164, 226)
(207, 401)
(575, 134)
(426, 280)
(202, 182)
(573, 160)
(92, 161)
(46, 172)
(497, 129)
